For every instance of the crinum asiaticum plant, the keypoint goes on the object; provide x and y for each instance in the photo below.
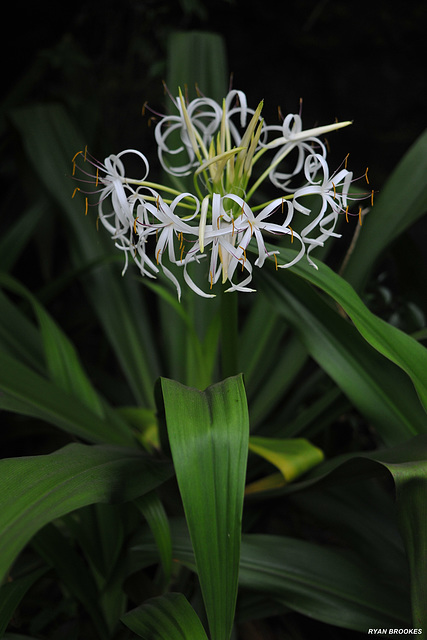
(222, 147)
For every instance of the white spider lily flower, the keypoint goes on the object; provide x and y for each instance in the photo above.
(189, 135)
(294, 138)
(202, 224)
(170, 230)
(110, 180)
(226, 254)
(333, 192)
(193, 128)
(221, 146)
(115, 181)
(119, 221)
(292, 131)
(251, 225)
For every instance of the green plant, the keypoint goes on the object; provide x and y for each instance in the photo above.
(211, 467)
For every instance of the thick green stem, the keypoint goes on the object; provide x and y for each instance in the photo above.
(229, 334)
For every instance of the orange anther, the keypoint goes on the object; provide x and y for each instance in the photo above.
(360, 216)
(346, 214)
(75, 155)
(292, 234)
(244, 256)
(366, 175)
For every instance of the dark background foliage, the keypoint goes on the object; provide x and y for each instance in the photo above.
(362, 61)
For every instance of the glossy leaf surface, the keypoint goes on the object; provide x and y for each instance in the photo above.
(208, 433)
(38, 489)
(168, 617)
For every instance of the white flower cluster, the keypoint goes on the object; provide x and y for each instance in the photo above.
(220, 146)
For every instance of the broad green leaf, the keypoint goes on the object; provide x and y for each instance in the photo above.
(25, 391)
(411, 486)
(256, 357)
(55, 548)
(18, 335)
(322, 582)
(406, 464)
(208, 433)
(394, 344)
(168, 617)
(360, 516)
(197, 58)
(38, 489)
(14, 240)
(293, 457)
(316, 417)
(391, 342)
(51, 139)
(401, 203)
(376, 386)
(11, 594)
(279, 378)
(154, 512)
(100, 530)
(62, 361)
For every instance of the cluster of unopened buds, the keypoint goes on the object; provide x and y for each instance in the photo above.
(221, 222)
